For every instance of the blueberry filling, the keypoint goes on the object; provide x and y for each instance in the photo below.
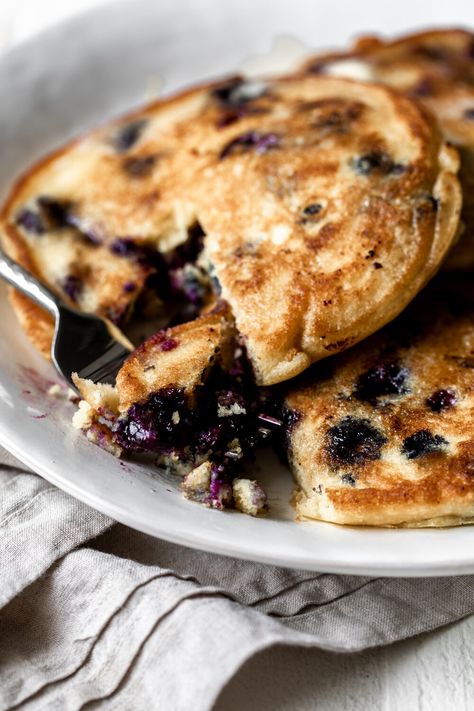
(441, 400)
(128, 135)
(376, 162)
(353, 441)
(153, 425)
(222, 424)
(384, 379)
(421, 443)
(253, 140)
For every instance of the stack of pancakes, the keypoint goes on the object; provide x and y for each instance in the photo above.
(283, 230)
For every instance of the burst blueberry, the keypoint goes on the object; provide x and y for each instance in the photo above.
(383, 379)
(422, 443)
(441, 400)
(353, 441)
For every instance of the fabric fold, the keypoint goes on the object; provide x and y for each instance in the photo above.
(95, 615)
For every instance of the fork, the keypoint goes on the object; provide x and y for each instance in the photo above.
(82, 343)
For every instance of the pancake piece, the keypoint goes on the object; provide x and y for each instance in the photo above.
(325, 207)
(436, 68)
(187, 397)
(387, 437)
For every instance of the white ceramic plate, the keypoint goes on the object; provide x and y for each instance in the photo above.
(64, 81)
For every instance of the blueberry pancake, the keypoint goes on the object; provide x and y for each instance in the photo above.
(387, 437)
(320, 207)
(186, 396)
(436, 68)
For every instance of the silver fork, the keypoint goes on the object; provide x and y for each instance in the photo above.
(82, 343)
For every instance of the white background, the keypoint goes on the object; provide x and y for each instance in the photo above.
(432, 673)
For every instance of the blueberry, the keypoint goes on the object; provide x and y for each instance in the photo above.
(139, 166)
(423, 88)
(349, 479)
(124, 247)
(72, 286)
(421, 443)
(153, 424)
(376, 162)
(441, 400)
(30, 221)
(56, 213)
(129, 287)
(128, 135)
(237, 92)
(260, 142)
(384, 379)
(469, 114)
(169, 344)
(225, 93)
(312, 209)
(353, 441)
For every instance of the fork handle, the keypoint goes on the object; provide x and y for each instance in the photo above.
(25, 282)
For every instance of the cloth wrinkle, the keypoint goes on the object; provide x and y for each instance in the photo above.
(94, 615)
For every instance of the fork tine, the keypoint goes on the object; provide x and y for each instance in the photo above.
(104, 368)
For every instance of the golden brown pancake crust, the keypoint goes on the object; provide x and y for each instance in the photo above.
(436, 68)
(326, 207)
(387, 436)
(181, 357)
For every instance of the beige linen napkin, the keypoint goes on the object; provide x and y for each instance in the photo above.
(95, 615)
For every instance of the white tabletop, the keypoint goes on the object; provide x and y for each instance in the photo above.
(434, 672)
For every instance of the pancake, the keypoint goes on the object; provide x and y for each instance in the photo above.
(386, 438)
(325, 208)
(186, 396)
(436, 68)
